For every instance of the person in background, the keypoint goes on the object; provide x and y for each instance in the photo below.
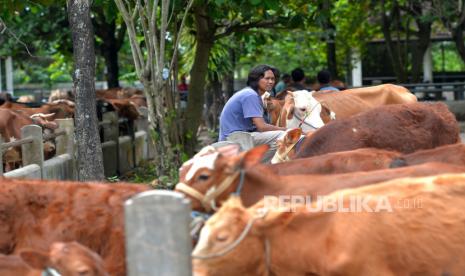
(285, 81)
(244, 111)
(324, 79)
(298, 79)
(183, 89)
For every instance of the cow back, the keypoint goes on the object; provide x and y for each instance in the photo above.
(34, 214)
(404, 128)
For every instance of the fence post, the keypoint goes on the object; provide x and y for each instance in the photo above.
(65, 143)
(157, 234)
(111, 133)
(33, 153)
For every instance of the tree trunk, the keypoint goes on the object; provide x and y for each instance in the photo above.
(393, 55)
(205, 39)
(424, 35)
(457, 34)
(90, 161)
(330, 39)
(110, 46)
(110, 54)
(230, 77)
(331, 57)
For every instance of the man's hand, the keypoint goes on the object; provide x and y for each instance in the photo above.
(263, 126)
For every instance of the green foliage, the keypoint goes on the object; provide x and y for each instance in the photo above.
(446, 58)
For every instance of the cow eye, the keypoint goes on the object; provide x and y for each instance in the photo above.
(203, 177)
(84, 272)
(222, 237)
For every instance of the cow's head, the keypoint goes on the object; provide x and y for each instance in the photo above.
(61, 108)
(125, 108)
(66, 258)
(11, 158)
(305, 111)
(250, 228)
(44, 120)
(286, 146)
(210, 179)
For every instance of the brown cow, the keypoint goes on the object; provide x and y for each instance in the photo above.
(451, 154)
(11, 123)
(213, 178)
(353, 101)
(60, 109)
(66, 258)
(387, 237)
(330, 105)
(34, 214)
(404, 128)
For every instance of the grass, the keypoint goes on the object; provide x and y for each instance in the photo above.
(145, 173)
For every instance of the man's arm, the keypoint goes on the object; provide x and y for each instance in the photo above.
(263, 126)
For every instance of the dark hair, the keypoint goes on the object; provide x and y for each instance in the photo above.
(286, 76)
(324, 77)
(297, 74)
(257, 73)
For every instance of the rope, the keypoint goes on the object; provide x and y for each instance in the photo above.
(302, 120)
(235, 243)
(241, 183)
(50, 271)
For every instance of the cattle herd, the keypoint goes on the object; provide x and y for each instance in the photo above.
(402, 159)
(379, 146)
(15, 115)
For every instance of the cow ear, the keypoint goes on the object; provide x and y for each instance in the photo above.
(254, 156)
(34, 258)
(272, 219)
(229, 150)
(293, 135)
(290, 112)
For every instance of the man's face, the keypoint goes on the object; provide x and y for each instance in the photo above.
(267, 82)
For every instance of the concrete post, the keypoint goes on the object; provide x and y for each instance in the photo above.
(357, 76)
(110, 131)
(428, 65)
(33, 153)
(65, 143)
(157, 234)
(143, 123)
(9, 75)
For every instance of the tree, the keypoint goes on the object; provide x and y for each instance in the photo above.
(214, 20)
(324, 16)
(452, 15)
(147, 26)
(390, 15)
(421, 12)
(90, 158)
(111, 35)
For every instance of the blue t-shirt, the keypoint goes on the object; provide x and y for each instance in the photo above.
(238, 112)
(329, 87)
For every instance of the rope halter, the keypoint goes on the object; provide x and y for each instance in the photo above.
(208, 199)
(239, 239)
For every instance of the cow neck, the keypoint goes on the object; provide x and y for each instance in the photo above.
(259, 181)
(289, 152)
(308, 234)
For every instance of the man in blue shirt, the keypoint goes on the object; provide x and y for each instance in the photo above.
(324, 78)
(244, 110)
